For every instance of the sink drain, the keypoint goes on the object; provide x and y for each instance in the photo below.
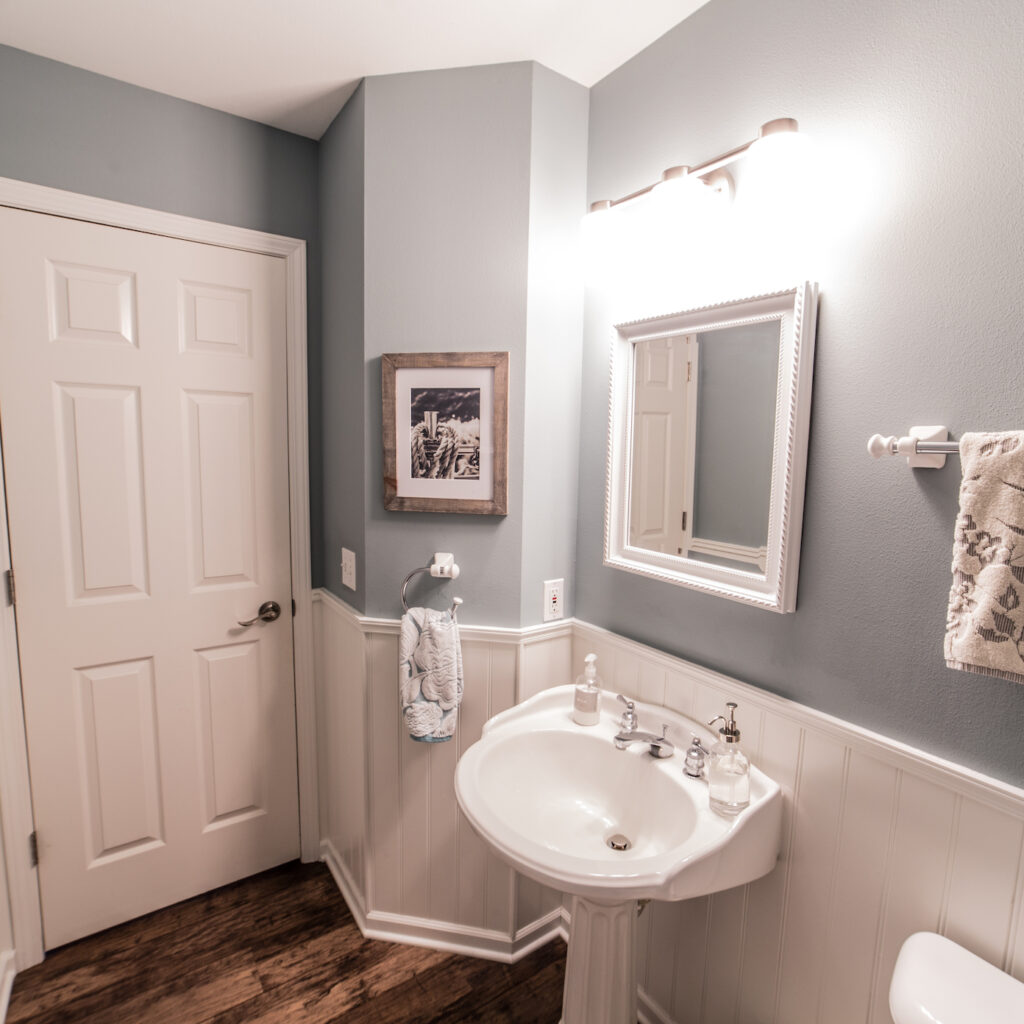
(619, 842)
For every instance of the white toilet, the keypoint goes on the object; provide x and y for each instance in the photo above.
(935, 981)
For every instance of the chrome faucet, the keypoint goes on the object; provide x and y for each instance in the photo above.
(661, 746)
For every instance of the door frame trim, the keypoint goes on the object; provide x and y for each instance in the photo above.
(15, 794)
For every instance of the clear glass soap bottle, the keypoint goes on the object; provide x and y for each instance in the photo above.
(586, 706)
(728, 768)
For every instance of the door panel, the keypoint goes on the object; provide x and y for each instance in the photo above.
(144, 419)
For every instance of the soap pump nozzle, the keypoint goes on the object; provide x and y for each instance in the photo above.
(590, 667)
(729, 731)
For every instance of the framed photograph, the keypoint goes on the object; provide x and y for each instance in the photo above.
(446, 432)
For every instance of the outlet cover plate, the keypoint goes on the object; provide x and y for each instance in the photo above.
(554, 597)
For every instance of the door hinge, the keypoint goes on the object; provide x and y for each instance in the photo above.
(33, 850)
(689, 372)
(11, 594)
(293, 607)
(684, 520)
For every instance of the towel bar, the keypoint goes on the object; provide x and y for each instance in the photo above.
(924, 447)
(443, 566)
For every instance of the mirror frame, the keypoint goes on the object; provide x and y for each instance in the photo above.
(774, 589)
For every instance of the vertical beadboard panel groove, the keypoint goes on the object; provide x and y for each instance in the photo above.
(758, 979)
(788, 886)
(856, 910)
(707, 943)
(830, 904)
(370, 874)
(741, 957)
(488, 690)
(883, 911)
(706, 973)
(1011, 938)
(1015, 960)
(984, 877)
(954, 840)
(690, 952)
(919, 874)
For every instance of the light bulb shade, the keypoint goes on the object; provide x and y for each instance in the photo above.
(777, 126)
(687, 200)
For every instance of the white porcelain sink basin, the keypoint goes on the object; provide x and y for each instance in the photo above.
(548, 794)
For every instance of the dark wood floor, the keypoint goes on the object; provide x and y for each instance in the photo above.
(279, 947)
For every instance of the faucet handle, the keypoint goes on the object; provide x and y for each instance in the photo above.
(694, 765)
(629, 719)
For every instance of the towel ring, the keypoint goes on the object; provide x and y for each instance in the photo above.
(456, 601)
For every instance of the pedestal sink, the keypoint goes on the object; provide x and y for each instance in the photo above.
(557, 801)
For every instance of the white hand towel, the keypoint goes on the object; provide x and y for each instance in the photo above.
(985, 624)
(430, 673)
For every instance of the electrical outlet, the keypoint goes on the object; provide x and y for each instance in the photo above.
(554, 594)
(348, 568)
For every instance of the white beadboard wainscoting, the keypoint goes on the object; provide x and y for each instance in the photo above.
(409, 865)
(879, 840)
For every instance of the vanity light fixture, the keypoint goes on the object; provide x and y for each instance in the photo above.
(710, 173)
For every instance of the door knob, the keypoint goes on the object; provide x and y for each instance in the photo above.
(268, 612)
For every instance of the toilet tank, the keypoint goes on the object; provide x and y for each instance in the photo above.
(935, 981)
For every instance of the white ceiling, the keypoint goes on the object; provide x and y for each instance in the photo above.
(293, 63)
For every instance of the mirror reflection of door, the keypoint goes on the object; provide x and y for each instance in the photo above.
(703, 436)
(664, 429)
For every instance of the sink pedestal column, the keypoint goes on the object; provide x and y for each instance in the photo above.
(600, 968)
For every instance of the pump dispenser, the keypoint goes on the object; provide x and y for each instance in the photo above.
(728, 768)
(586, 702)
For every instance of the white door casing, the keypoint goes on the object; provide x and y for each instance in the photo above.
(121, 532)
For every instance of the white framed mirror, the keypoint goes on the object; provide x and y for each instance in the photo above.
(707, 452)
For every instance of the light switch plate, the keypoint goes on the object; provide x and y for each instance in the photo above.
(348, 568)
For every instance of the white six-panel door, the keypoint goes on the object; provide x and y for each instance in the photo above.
(144, 427)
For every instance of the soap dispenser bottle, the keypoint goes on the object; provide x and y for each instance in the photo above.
(728, 767)
(586, 701)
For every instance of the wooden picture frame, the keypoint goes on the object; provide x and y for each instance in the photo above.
(445, 432)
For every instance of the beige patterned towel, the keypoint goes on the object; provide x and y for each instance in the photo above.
(430, 673)
(985, 624)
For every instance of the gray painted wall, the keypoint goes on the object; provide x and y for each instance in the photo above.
(447, 207)
(75, 130)
(920, 322)
(451, 206)
(344, 417)
(554, 338)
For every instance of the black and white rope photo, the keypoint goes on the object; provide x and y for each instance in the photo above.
(445, 433)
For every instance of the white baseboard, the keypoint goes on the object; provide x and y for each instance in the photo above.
(451, 938)
(648, 1011)
(7, 972)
